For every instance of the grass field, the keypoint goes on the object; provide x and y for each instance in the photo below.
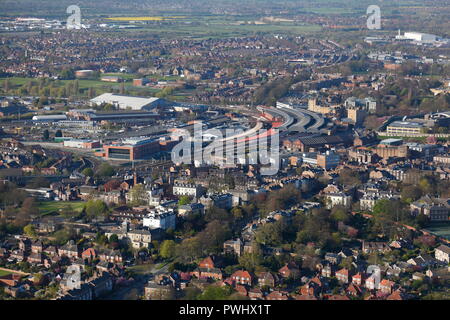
(4, 273)
(220, 29)
(99, 86)
(52, 207)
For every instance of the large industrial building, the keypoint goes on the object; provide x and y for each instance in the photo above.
(81, 144)
(117, 116)
(419, 36)
(128, 102)
(50, 118)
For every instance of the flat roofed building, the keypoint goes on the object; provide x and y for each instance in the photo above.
(392, 142)
(328, 160)
(81, 144)
(132, 149)
(419, 36)
(128, 102)
(404, 127)
(50, 118)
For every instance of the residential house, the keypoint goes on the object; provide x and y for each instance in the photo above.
(113, 256)
(358, 279)
(241, 290)
(17, 255)
(354, 290)
(35, 258)
(442, 253)
(386, 286)
(255, 294)
(51, 251)
(207, 269)
(37, 247)
(277, 295)
(70, 250)
(327, 271)
(369, 247)
(289, 270)
(343, 275)
(89, 254)
(332, 258)
(155, 291)
(101, 285)
(233, 246)
(242, 277)
(372, 282)
(267, 279)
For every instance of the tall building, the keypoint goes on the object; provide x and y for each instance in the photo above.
(328, 160)
(356, 115)
(368, 104)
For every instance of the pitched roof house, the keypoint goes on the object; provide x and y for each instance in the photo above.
(289, 270)
(242, 277)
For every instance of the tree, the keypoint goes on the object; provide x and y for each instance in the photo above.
(105, 170)
(38, 182)
(189, 249)
(88, 172)
(339, 213)
(251, 261)
(138, 195)
(46, 135)
(428, 185)
(349, 177)
(191, 293)
(270, 234)
(167, 249)
(385, 213)
(238, 213)
(30, 231)
(26, 212)
(6, 85)
(95, 208)
(184, 200)
(213, 237)
(216, 293)
(58, 133)
(38, 279)
(411, 193)
(67, 74)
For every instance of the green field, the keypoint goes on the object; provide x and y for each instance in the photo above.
(53, 207)
(220, 30)
(99, 86)
(4, 273)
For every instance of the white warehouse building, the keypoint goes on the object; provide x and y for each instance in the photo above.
(128, 102)
(419, 36)
(49, 118)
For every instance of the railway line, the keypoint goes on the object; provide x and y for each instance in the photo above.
(298, 120)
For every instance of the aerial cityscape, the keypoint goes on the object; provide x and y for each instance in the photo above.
(225, 150)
